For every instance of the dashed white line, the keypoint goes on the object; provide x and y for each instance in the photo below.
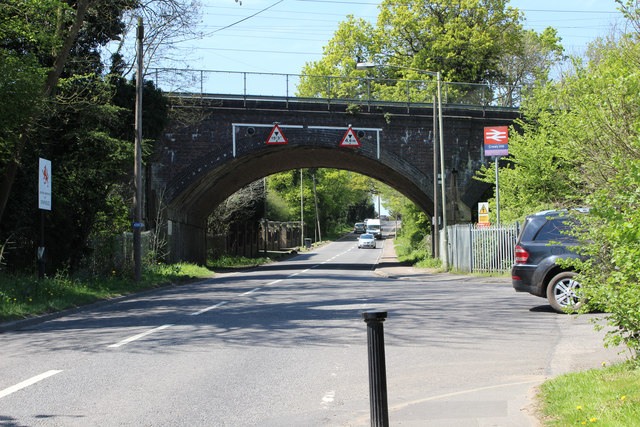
(27, 383)
(250, 292)
(137, 337)
(204, 310)
(274, 282)
(328, 397)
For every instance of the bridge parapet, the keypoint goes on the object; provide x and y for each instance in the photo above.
(360, 90)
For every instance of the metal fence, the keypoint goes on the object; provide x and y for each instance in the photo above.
(474, 249)
(211, 83)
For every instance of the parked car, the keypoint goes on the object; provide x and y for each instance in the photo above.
(542, 242)
(359, 228)
(366, 241)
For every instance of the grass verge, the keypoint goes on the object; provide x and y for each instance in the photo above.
(226, 261)
(606, 397)
(23, 296)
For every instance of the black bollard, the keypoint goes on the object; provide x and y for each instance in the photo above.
(377, 370)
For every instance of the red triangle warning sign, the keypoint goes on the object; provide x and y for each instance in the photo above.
(350, 139)
(276, 136)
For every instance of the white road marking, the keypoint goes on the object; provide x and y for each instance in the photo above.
(328, 397)
(455, 393)
(204, 310)
(250, 292)
(137, 337)
(27, 383)
(274, 282)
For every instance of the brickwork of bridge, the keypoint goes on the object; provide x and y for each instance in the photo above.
(215, 146)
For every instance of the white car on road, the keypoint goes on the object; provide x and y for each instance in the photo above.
(366, 241)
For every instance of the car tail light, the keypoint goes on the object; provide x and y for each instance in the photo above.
(521, 255)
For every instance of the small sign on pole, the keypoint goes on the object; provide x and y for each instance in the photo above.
(483, 214)
(44, 184)
(44, 204)
(496, 141)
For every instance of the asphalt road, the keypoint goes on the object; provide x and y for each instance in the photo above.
(285, 345)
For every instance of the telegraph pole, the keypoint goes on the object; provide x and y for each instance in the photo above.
(137, 198)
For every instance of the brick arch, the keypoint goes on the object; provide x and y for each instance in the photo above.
(190, 205)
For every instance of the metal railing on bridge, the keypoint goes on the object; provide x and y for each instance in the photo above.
(290, 87)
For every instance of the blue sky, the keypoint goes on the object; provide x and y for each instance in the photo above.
(289, 33)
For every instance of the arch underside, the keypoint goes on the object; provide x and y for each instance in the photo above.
(198, 200)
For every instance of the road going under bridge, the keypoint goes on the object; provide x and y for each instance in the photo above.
(217, 144)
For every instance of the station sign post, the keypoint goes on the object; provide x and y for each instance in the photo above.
(496, 143)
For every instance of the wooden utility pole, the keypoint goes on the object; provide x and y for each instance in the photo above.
(137, 198)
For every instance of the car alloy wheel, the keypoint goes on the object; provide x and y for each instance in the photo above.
(563, 292)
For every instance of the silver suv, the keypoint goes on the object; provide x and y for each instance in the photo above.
(544, 240)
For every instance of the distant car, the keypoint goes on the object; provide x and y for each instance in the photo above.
(359, 228)
(543, 241)
(366, 241)
(384, 217)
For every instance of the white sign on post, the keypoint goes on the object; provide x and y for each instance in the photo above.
(44, 184)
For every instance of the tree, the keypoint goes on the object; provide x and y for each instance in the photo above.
(166, 22)
(469, 41)
(64, 24)
(580, 146)
(342, 196)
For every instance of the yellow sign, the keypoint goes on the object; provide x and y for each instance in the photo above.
(483, 213)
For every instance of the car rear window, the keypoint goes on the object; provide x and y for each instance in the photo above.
(556, 229)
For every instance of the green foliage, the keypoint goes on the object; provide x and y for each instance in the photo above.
(343, 197)
(27, 34)
(226, 261)
(580, 146)
(277, 209)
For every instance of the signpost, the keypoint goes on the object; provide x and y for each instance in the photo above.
(44, 204)
(496, 143)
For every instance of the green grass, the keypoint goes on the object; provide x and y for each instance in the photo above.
(226, 261)
(605, 397)
(429, 263)
(23, 296)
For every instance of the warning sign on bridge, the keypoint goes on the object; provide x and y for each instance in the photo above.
(350, 139)
(276, 136)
